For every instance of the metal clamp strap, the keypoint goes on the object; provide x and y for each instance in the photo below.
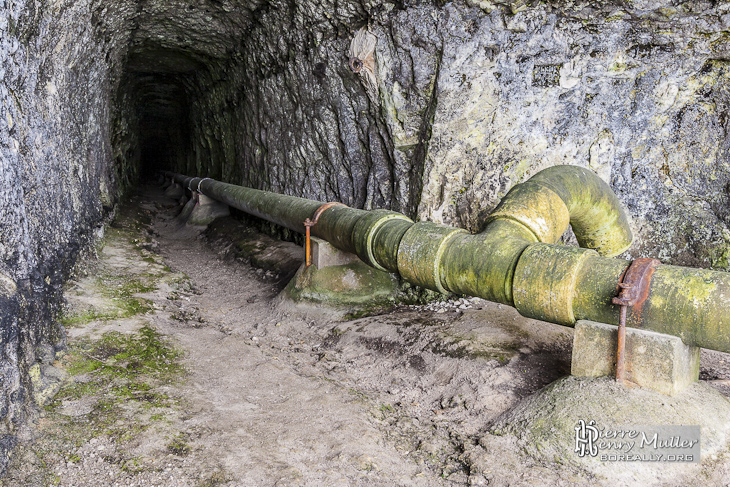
(634, 285)
(308, 224)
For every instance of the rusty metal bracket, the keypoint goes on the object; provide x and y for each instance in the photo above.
(634, 285)
(308, 224)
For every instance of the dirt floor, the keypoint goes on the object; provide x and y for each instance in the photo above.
(187, 368)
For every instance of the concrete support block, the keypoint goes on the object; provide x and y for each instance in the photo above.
(174, 191)
(653, 360)
(350, 289)
(207, 210)
(188, 208)
(324, 254)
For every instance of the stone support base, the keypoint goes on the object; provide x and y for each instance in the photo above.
(207, 210)
(544, 425)
(341, 281)
(174, 191)
(324, 254)
(653, 360)
(188, 208)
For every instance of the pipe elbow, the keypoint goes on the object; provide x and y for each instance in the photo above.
(561, 195)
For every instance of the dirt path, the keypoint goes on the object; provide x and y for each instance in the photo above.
(257, 404)
(237, 388)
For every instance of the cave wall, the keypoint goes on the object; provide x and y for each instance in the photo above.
(474, 97)
(638, 95)
(471, 97)
(59, 63)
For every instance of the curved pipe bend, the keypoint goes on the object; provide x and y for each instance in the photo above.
(538, 210)
(561, 195)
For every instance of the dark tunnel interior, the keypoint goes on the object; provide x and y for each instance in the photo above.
(160, 85)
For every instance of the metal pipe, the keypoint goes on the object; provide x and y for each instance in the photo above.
(515, 260)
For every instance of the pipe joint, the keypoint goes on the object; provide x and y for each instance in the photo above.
(420, 252)
(377, 238)
(192, 184)
(545, 279)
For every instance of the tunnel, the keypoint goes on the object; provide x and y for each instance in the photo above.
(162, 111)
(454, 104)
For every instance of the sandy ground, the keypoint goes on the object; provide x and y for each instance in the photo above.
(278, 396)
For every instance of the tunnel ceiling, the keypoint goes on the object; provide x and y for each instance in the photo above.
(181, 36)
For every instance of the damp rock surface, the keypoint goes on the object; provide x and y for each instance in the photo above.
(462, 100)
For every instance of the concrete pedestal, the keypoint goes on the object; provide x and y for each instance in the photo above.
(324, 254)
(342, 282)
(207, 210)
(188, 208)
(174, 191)
(653, 360)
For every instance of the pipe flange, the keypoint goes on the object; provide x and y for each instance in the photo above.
(201, 182)
(365, 232)
(190, 184)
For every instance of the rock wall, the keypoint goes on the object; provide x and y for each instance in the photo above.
(59, 64)
(639, 96)
(462, 101)
(473, 98)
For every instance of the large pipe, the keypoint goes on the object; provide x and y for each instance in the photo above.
(515, 259)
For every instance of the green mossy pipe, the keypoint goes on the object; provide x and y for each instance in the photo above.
(483, 264)
(377, 236)
(692, 304)
(515, 260)
(420, 253)
(548, 200)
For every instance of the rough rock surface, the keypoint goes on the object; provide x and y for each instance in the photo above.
(472, 97)
(545, 423)
(59, 66)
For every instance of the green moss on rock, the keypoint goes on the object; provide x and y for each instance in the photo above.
(354, 285)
